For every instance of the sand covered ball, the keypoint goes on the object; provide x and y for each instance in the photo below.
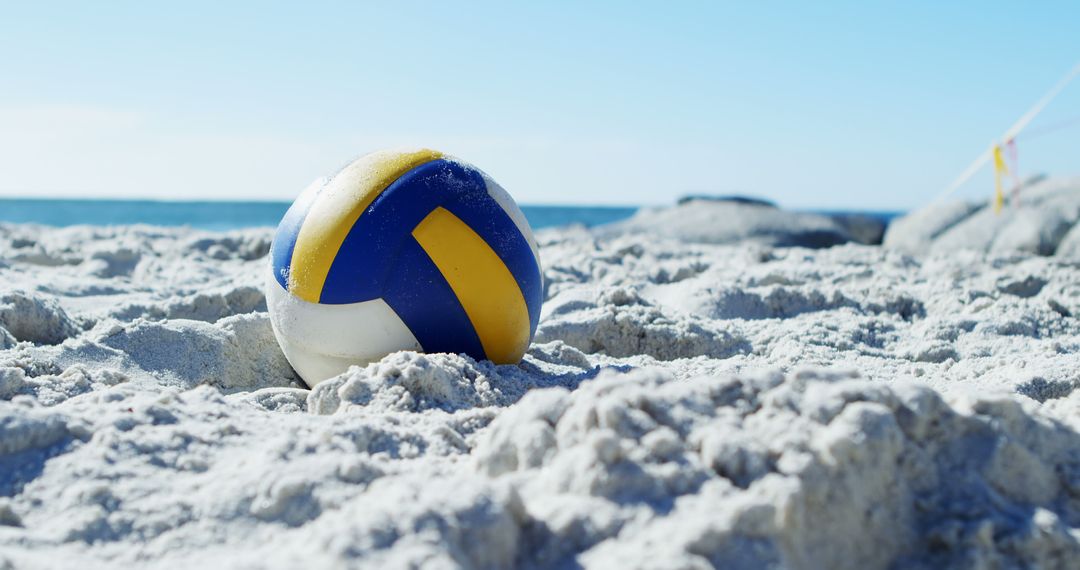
(402, 250)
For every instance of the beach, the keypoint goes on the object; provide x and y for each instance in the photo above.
(683, 404)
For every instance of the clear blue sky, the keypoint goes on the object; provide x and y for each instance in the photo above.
(812, 104)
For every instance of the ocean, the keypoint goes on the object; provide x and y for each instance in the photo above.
(233, 215)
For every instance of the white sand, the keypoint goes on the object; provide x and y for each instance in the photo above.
(684, 405)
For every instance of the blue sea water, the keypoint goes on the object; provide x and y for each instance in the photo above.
(232, 215)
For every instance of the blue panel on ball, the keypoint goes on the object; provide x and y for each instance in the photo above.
(424, 301)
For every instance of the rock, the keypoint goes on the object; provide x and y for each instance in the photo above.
(976, 233)
(1036, 231)
(915, 232)
(731, 198)
(723, 222)
(1037, 223)
(1069, 246)
(864, 228)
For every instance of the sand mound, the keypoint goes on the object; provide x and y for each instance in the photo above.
(35, 319)
(815, 470)
(407, 381)
(6, 340)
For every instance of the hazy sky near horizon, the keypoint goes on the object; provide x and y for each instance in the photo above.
(857, 105)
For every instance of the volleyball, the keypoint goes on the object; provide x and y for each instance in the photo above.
(402, 250)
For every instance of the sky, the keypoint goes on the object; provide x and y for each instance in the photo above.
(831, 105)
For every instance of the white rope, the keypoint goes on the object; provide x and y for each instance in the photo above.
(1009, 134)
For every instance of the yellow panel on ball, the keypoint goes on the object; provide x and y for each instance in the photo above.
(484, 286)
(336, 210)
